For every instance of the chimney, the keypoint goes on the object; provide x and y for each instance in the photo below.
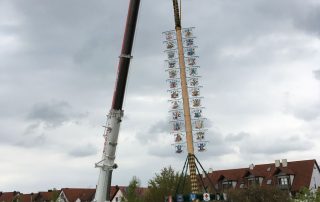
(251, 166)
(277, 163)
(284, 163)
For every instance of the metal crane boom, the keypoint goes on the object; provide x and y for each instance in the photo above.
(106, 165)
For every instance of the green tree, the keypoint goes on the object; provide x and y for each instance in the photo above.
(55, 194)
(258, 194)
(131, 193)
(164, 184)
(305, 195)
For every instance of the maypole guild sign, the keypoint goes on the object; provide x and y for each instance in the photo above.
(206, 197)
(193, 197)
(180, 198)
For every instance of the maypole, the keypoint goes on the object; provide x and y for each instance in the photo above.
(185, 100)
(186, 111)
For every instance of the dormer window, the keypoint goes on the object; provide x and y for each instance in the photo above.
(269, 181)
(283, 181)
(226, 184)
(253, 181)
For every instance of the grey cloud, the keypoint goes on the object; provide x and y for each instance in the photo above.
(72, 36)
(83, 151)
(216, 145)
(317, 74)
(161, 150)
(307, 113)
(237, 137)
(34, 140)
(153, 133)
(309, 19)
(216, 151)
(159, 127)
(52, 114)
(275, 146)
(32, 127)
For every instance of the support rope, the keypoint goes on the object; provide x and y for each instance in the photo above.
(182, 173)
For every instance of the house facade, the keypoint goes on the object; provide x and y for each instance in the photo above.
(117, 194)
(76, 195)
(289, 176)
(87, 195)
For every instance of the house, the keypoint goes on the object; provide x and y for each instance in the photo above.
(9, 196)
(290, 176)
(27, 197)
(87, 195)
(48, 196)
(121, 193)
(76, 195)
(118, 194)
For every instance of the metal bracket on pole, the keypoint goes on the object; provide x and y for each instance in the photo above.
(126, 56)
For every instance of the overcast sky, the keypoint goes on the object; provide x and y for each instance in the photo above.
(260, 71)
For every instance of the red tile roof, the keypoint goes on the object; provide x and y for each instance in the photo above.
(72, 194)
(302, 171)
(47, 195)
(27, 197)
(8, 196)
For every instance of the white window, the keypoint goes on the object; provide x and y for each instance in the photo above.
(253, 181)
(283, 181)
(269, 181)
(226, 184)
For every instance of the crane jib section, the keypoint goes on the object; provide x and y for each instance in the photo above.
(106, 165)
